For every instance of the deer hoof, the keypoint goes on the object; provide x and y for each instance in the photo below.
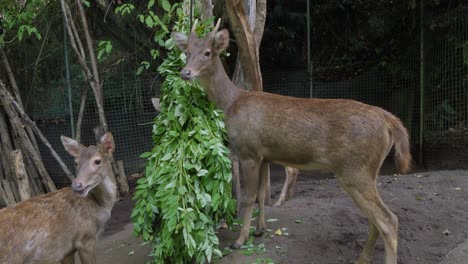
(235, 246)
(259, 232)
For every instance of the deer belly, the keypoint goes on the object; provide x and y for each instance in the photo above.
(305, 166)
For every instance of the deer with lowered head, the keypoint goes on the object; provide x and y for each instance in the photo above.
(346, 137)
(50, 228)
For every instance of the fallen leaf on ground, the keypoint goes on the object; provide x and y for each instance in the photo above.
(278, 232)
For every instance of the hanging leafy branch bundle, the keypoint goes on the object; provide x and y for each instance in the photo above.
(187, 183)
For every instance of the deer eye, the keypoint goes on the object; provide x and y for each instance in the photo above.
(97, 162)
(207, 53)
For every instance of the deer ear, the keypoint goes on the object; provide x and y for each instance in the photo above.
(221, 41)
(106, 143)
(181, 40)
(71, 146)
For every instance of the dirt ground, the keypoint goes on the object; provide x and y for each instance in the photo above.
(321, 225)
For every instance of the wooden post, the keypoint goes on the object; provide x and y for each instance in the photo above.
(8, 192)
(18, 127)
(122, 178)
(4, 197)
(21, 175)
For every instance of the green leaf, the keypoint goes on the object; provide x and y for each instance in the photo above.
(86, 3)
(146, 155)
(166, 6)
(150, 4)
(149, 21)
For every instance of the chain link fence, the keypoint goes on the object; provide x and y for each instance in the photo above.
(130, 114)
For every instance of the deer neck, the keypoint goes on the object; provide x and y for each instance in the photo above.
(105, 193)
(219, 88)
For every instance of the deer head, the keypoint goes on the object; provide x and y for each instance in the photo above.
(201, 52)
(92, 162)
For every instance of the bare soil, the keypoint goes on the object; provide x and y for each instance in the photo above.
(321, 224)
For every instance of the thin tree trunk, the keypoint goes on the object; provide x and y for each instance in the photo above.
(21, 175)
(92, 56)
(15, 89)
(207, 8)
(91, 76)
(18, 128)
(84, 97)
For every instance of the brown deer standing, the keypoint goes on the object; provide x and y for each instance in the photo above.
(348, 138)
(50, 228)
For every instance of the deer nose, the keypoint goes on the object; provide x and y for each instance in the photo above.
(77, 186)
(186, 74)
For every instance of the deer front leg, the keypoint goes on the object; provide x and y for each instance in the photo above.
(262, 191)
(251, 172)
(87, 251)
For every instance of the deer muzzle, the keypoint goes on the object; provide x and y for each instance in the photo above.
(186, 74)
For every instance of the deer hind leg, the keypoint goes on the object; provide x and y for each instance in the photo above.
(87, 251)
(382, 221)
(250, 170)
(292, 174)
(285, 191)
(70, 259)
(262, 191)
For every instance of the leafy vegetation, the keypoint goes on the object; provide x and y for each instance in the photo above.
(187, 185)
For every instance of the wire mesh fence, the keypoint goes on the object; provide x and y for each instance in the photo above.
(130, 114)
(446, 97)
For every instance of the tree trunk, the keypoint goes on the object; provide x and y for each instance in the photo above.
(207, 8)
(246, 44)
(21, 175)
(18, 128)
(84, 96)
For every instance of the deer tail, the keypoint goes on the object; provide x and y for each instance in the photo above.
(401, 145)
